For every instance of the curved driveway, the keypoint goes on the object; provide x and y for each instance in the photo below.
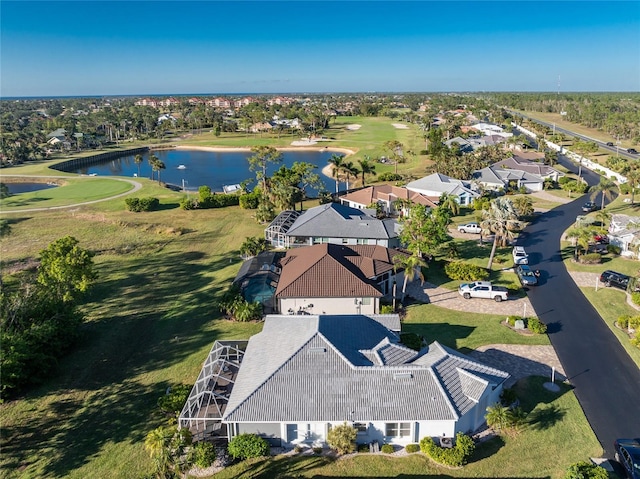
(606, 380)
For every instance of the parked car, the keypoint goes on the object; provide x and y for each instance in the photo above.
(601, 239)
(526, 276)
(520, 256)
(483, 289)
(470, 228)
(589, 206)
(632, 151)
(617, 280)
(628, 455)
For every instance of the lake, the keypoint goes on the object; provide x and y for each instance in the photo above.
(212, 168)
(17, 188)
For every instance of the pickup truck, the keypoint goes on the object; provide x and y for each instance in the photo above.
(483, 289)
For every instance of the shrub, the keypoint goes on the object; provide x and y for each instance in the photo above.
(625, 188)
(465, 271)
(511, 320)
(342, 438)
(623, 321)
(324, 197)
(613, 249)
(297, 449)
(387, 449)
(508, 396)
(389, 177)
(317, 450)
(142, 204)
(250, 201)
(411, 340)
(586, 470)
(536, 326)
(246, 311)
(203, 454)
(363, 448)
(188, 204)
(386, 309)
(591, 258)
(172, 402)
(635, 297)
(245, 446)
(219, 201)
(455, 456)
(564, 179)
(411, 448)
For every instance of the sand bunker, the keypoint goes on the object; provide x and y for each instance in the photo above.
(400, 126)
(353, 127)
(303, 142)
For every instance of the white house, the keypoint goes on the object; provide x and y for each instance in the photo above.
(624, 232)
(436, 184)
(303, 375)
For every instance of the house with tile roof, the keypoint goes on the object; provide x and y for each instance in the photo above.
(496, 178)
(304, 374)
(530, 162)
(332, 223)
(436, 184)
(336, 279)
(392, 199)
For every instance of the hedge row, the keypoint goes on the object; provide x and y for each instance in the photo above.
(465, 271)
(142, 204)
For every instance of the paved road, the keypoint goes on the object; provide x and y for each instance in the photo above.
(607, 381)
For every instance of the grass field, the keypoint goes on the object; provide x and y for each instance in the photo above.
(150, 322)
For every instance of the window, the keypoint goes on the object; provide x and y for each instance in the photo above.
(362, 241)
(366, 301)
(397, 429)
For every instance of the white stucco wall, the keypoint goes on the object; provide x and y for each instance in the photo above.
(330, 305)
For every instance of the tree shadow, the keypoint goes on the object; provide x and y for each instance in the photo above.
(487, 448)
(545, 417)
(444, 333)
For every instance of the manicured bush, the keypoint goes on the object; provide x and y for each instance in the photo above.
(246, 311)
(219, 201)
(411, 340)
(202, 454)
(591, 258)
(188, 204)
(455, 456)
(465, 271)
(250, 201)
(511, 320)
(362, 448)
(245, 446)
(386, 309)
(172, 402)
(635, 297)
(387, 449)
(536, 326)
(142, 204)
(389, 177)
(586, 470)
(613, 249)
(342, 438)
(411, 448)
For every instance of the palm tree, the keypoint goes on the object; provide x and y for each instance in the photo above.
(153, 159)
(157, 445)
(138, 161)
(606, 187)
(502, 220)
(497, 417)
(449, 202)
(523, 205)
(582, 236)
(412, 266)
(366, 168)
(337, 163)
(603, 216)
(349, 170)
(633, 177)
(159, 165)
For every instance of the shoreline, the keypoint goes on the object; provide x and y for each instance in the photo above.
(326, 170)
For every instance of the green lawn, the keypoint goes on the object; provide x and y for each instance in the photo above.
(75, 190)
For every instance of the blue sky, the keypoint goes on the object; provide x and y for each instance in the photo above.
(163, 47)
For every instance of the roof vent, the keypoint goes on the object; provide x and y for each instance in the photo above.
(317, 350)
(402, 376)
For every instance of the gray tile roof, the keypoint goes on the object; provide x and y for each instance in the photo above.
(322, 368)
(439, 183)
(335, 220)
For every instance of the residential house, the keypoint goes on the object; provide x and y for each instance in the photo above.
(490, 129)
(393, 200)
(436, 184)
(495, 178)
(530, 162)
(332, 223)
(336, 279)
(624, 232)
(302, 375)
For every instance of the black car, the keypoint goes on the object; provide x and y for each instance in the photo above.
(628, 455)
(609, 143)
(632, 151)
(618, 280)
(589, 206)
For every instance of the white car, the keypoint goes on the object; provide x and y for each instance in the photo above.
(520, 256)
(470, 228)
